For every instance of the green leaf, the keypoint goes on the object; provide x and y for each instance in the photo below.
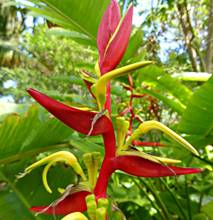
(200, 216)
(12, 203)
(67, 14)
(85, 145)
(197, 120)
(28, 135)
(174, 104)
(207, 209)
(134, 45)
(14, 211)
(29, 190)
(162, 86)
(61, 32)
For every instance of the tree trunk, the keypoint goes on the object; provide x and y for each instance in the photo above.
(188, 33)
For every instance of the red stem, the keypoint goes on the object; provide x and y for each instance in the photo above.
(106, 168)
(106, 171)
(109, 143)
(110, 151)
(131, 105)
(108, 98)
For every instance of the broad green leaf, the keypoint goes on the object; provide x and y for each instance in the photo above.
(200, 216)
(29, 191)
(197, 120)
(174, 104)
(12, 203)
(67, 14)
(165, 88)
(12, 208)
(22, 136)
(207, 209)
(85, 145)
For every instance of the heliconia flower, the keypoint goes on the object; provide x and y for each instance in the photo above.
(112, 41)
(75, 118)
(113, 36)
(138, 166)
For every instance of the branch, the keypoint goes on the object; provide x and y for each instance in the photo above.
(192, 76)
(209, 46)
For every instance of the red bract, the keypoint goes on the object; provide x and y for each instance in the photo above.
(77, 119)
(113, 36)
(72, 203)
(138, 166)
(107, 27)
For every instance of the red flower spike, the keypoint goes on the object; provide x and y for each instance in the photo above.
(151, 144)
(77, 119)
(108, 98)
(73, 203)
(111, 53)
(107, 27)
(138, 166)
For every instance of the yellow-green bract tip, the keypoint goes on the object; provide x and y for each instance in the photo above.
(99, 88)
(149, 125)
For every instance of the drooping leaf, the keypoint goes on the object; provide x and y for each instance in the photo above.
(61, 32)
(197, 120)
(67, 14)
